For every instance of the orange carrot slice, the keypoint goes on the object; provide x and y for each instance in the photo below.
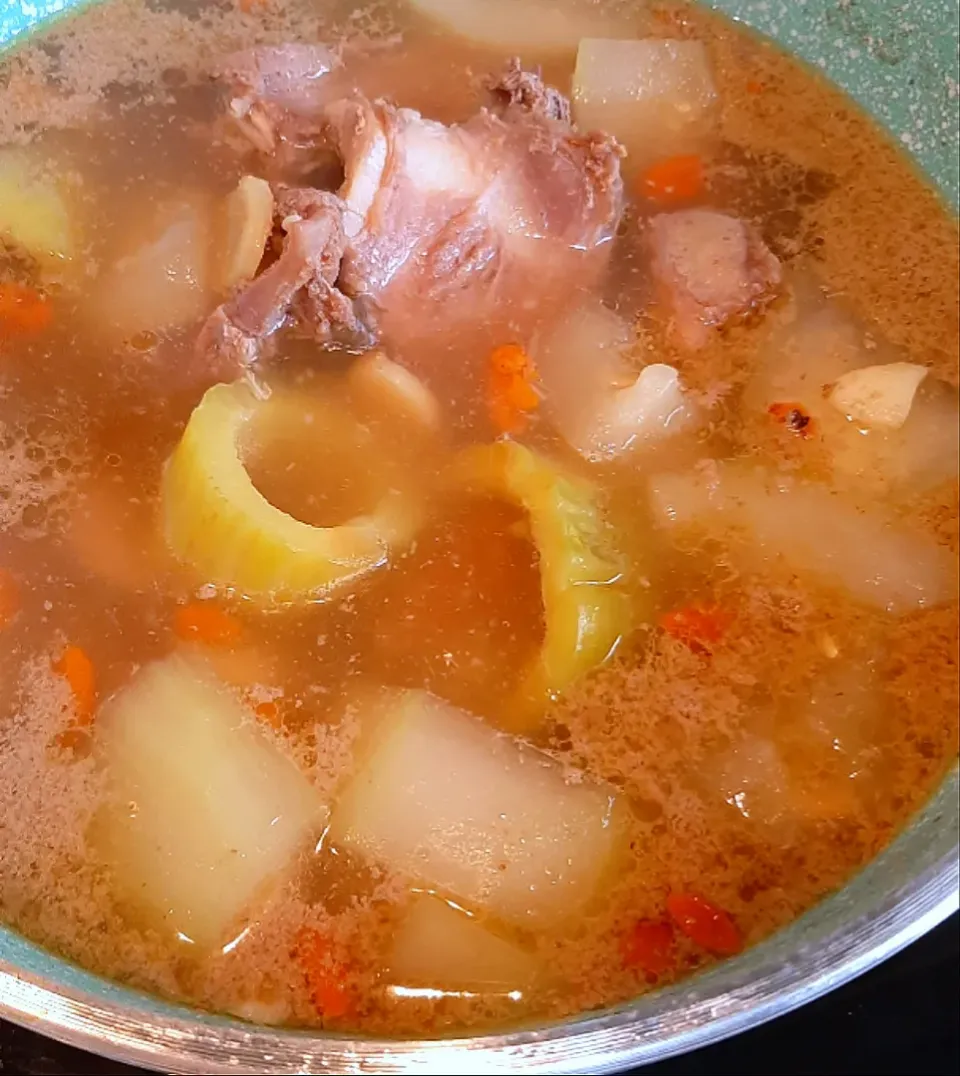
(23, 309)
(673, 180)
(704, 923)
(269, 713)
(205, 622)
(510, 392)
(323, 973)
(75, 666)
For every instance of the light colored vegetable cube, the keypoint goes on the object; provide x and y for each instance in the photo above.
(441, 947)
(685, 499)
(33, 213)
(876, 559)
(600, 405)
(164, 280)
(878, 395)
(476, 814)
(652, 408)
(205, 815)
(247, 222)
(655, 95)
(583, 355)
(751, 777)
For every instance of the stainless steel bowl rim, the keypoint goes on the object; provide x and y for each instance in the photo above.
(879, 912)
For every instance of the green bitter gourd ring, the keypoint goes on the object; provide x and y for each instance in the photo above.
(217, 521)
(586, 610)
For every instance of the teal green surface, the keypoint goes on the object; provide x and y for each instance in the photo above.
(898, 59)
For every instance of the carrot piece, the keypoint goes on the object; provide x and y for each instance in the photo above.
(205, 622)
(9, 598)
(269, 713)
(511, 394)
(794, 416)
(75, 666)
(73, 741)
(696, 625)
(331, 999)
(323, 973)
(23, 309)
(673, 180)
(704, 923)
(509, 360)
(754, 86)
(648, 946)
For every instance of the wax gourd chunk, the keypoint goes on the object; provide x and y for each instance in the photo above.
(205, 815)
(439, 946)
(476, 814)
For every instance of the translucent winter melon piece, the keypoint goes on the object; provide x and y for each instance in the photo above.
(876, 558)
(476, 814)
(205, 815)
(600, 404)
(441, 947)
(162, 280)
(655, 95)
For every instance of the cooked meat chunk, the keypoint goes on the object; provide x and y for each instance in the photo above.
(276, 93)
(406, 179)
(302, 281)
(446, 225)
(224, 346)
(712, 268)
(436, 227)
(527, 90)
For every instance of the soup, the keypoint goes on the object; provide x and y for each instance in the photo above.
(478, 502)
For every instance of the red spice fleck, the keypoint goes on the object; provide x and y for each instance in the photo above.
(706, 924)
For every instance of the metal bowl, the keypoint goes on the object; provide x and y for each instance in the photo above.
(899, 62)
(908, 890)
